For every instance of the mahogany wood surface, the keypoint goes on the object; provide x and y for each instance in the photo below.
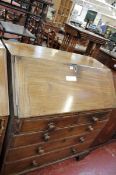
(38, 52)
(62, 102)
(4, 109)
(43, 148)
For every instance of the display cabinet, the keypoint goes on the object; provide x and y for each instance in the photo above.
(63, 12)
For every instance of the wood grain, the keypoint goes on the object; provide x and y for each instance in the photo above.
(45, 87)
(4, 109)
(38, 52)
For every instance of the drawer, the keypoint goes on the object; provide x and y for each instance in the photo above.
(46, 123)
(44, 160)
(43, 148)
(93, 117)
(56, 121)
(32, 138)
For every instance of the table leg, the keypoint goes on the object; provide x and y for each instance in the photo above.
(96, 50)
(89, 48)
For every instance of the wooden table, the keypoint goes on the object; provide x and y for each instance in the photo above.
(18, 30)
(95, 41)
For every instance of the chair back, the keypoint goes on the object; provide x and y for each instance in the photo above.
(70, 40)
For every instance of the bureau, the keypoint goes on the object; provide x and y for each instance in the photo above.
(61, 103)
(4, 108)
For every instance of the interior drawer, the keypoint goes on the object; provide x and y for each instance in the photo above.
(43, 160)
(32, 138)
(39, 149)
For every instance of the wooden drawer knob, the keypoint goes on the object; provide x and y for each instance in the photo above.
(73, 150)
(46, 137)
(82, 139)
(95, 119)
(90, 128)
(51, 126)
(34, 163)
(40, 150)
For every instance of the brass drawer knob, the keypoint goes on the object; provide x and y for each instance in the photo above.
(82, 139)
(46, 137)
(90, 128)
(73, 150)
(95, 119)
(51, 126)
(40, 150)
(34, 163)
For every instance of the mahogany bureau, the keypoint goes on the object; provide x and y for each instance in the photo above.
(61, 102)
(4, 108)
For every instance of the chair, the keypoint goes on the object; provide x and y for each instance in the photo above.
(72, 42)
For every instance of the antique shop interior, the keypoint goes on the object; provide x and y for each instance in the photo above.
(57, 87)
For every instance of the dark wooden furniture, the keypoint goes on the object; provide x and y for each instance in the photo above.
(4, 108)
(107, 57)
(95, 41)
(62, 101)
(9, 28)
(28, 10)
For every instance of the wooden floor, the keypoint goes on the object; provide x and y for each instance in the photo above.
(100, 162)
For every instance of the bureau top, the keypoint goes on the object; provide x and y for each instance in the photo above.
(49, 81)
(38, 52)
(47, 87)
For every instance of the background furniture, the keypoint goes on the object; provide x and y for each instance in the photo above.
(95, 41)
(59, 122)
(19, 31)
(63, 12)
(107, 57)
(28, 13)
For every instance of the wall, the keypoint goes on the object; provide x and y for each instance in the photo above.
(102, 10)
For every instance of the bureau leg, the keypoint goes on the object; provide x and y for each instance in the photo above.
(82, 155)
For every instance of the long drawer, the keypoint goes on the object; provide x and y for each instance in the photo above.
(32, 138)
(58, 121)
(39, 149)
(43, 160)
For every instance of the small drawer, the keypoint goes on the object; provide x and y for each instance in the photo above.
(43, 148)
(36, 162)
(93, 117)
(46, 123)
(33, 138)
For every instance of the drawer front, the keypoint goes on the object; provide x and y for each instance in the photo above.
(95, 117)
(32, 138)
(50, 123)
(43, 148)
(43, 160)
(56, 121)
